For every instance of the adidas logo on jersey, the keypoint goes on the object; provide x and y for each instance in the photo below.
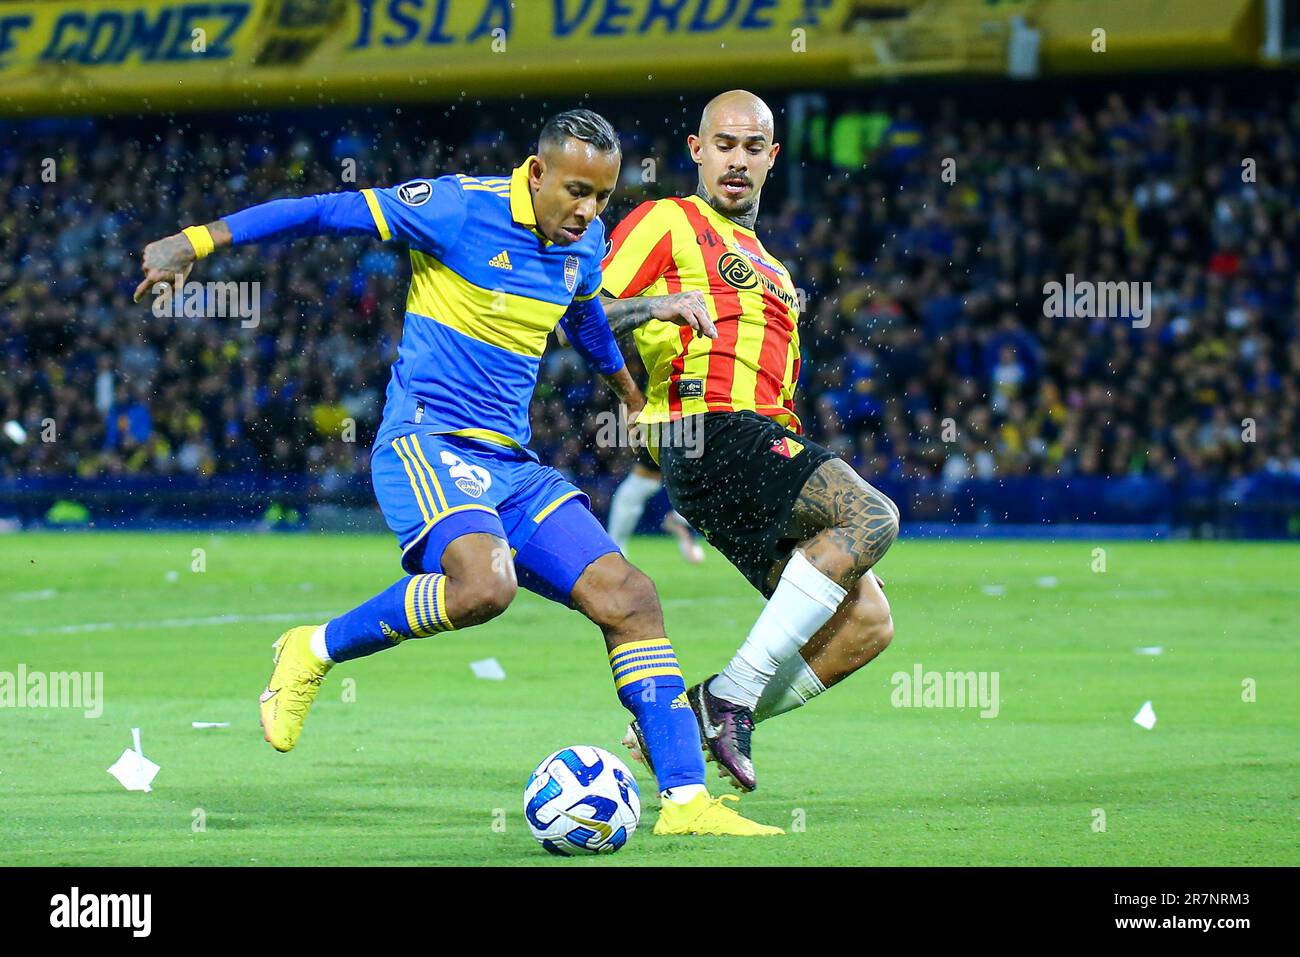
(501, 260)
(679, 702)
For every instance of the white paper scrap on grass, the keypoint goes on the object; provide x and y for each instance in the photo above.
(1146, 716)
(133, 770)
(994, 590)
(209, 724)
(489, 669)
(1150, 650)
(1048, 581)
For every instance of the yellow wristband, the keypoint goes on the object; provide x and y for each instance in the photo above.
(200, 239)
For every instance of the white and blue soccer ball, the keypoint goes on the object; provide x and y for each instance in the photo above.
(582, 800)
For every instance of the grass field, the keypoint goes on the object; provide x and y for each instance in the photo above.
(414, 770)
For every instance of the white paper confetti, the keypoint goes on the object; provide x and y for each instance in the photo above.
(1146, 716)
(133, 770)
(489, 669)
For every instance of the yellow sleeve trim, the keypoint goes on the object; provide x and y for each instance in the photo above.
(201, 239)
(587, 297)
(381, 224)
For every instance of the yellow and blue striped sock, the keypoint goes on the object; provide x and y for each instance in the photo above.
(414, 607)
(649, 683)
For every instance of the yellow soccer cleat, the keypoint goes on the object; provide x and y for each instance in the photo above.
(292, 688)
(709, 815)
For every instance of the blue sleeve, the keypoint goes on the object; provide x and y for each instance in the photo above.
(337, 213)
(425, 213)
(585, 324)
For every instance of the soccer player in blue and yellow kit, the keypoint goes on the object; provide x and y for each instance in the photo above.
(497, 262)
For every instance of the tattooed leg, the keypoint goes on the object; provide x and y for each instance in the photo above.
(843, 527)
(843, 524)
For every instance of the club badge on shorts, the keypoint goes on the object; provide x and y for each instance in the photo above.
(786, 447)
(571, 273)
(470, 479)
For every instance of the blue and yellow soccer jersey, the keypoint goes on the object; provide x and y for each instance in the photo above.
(486, 289)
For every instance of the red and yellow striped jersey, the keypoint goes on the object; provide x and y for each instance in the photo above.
(683, 244)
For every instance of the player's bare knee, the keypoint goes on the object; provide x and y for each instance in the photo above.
(619, 595)
(487, 596)
(633, 599)
(876, 525)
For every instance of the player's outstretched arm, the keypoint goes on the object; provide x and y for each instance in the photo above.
(424, 214)
(683, 308)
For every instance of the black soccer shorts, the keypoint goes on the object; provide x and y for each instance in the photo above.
(740, 488)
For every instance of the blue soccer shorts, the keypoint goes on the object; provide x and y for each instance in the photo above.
(434, 488)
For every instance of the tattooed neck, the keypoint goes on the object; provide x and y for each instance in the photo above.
(747, 219)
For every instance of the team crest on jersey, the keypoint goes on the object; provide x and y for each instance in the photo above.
(570, 272)
(470, 479)
(415, 193)
(736, 271)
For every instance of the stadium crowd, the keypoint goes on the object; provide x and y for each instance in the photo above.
(922, 245)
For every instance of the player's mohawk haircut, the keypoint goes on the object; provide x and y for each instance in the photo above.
(585, 125)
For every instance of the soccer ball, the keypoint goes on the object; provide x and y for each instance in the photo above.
(582, 800)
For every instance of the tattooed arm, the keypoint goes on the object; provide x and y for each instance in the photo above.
(844, 524)
(175, 256)
(683, 308)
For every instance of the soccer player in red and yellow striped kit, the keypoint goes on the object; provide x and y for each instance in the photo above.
(715, 318)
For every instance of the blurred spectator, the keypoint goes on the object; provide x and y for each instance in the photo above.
(926, 347)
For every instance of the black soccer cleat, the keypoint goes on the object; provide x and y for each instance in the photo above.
(726, 728)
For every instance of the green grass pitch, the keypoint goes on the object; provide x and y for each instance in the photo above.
(427, 764)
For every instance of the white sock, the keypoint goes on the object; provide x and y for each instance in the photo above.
(628, 503)
(804, 600)
(683, 793)
(794, 685)
(318, 646)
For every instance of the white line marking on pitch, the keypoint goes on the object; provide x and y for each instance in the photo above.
(177, 622)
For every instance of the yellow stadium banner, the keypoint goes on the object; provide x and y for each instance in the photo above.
(1110, 35)
(64, 56)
